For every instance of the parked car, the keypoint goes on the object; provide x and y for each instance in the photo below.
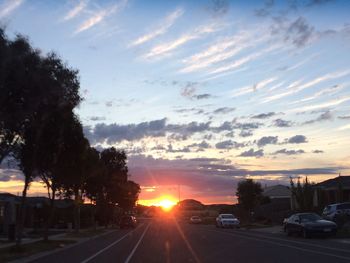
(227, 220)
(128, 221)
(195, 220)
(308, 224)
(330, 212)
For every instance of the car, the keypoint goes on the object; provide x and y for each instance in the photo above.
(308, 224)
(331, 212)
(128, 222)
(195, 220)
(227, 220)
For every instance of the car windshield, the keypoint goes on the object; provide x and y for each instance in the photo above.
(309, 217)
(228, 216)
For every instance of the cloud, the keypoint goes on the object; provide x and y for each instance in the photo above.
(296, 87)
(252, 153)
(202, 96)
(162, 29)
(75, 11)
(245, 133)
(224, 110)
(97, 118)
(326, 116)
(289, 152)
(166, 48)
(203, 145)
(299, 32)
(9, 6)
(318, 151)
(327, 104)
(216, 53)
(99, 16)
(318, 2)
(267, 140)
(219, 7)
(327, 91)
(112, 133)
(233, 65)
(344, 117)
(297, 139)
(282, 123)
(229, 144)
(264, 115)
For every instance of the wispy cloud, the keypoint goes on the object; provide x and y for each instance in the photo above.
(164, 27)
(328, 91)
(296, 87)
(249, 89)
(327, 104)
(99, 16)
(166, 48)
(243, 60)
(9, 6)
(75, 11)
(220, 51)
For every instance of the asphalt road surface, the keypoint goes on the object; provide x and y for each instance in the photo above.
(166, 240)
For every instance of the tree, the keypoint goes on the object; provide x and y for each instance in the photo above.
(249, 194)
(32, 86)
(302, 193)
(129, 195)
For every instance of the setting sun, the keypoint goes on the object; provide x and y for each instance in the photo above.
(166, 203)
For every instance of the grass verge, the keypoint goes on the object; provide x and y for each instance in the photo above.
(343, 232)
(26, 250)
(86, 233)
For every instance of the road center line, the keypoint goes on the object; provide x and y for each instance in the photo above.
(283, 245)
(137, 244)
(110, 245)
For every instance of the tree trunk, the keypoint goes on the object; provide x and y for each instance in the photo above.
(50, 216)
(77, 211)
(21, 213)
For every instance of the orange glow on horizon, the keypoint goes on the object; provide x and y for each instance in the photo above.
(166, 202)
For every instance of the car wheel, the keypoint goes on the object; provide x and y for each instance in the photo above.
(289, 233)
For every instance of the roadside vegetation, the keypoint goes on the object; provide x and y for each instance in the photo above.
(41, 131)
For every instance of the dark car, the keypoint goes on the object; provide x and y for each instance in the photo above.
(308, 224)
(128, 221)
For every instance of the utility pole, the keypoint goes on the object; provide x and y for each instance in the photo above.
(178, 189)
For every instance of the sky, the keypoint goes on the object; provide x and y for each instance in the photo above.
(202, 94)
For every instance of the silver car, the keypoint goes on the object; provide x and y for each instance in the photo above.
(227, 220)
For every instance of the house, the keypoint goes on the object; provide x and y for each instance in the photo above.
(277, 206)
(332, 191)
(9, 204)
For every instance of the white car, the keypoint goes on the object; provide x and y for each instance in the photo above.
(195, 220)
(227, 220)
(331, 212)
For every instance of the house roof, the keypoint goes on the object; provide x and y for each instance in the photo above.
(343, 180)
(276, 191)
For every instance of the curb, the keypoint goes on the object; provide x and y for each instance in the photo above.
(43, 254)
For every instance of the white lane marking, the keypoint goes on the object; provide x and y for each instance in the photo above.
(137, 244)
(283, 245)
(110, 245)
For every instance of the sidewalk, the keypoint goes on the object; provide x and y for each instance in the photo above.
(60, 236)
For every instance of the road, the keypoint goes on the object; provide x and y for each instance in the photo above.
(166, 240)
